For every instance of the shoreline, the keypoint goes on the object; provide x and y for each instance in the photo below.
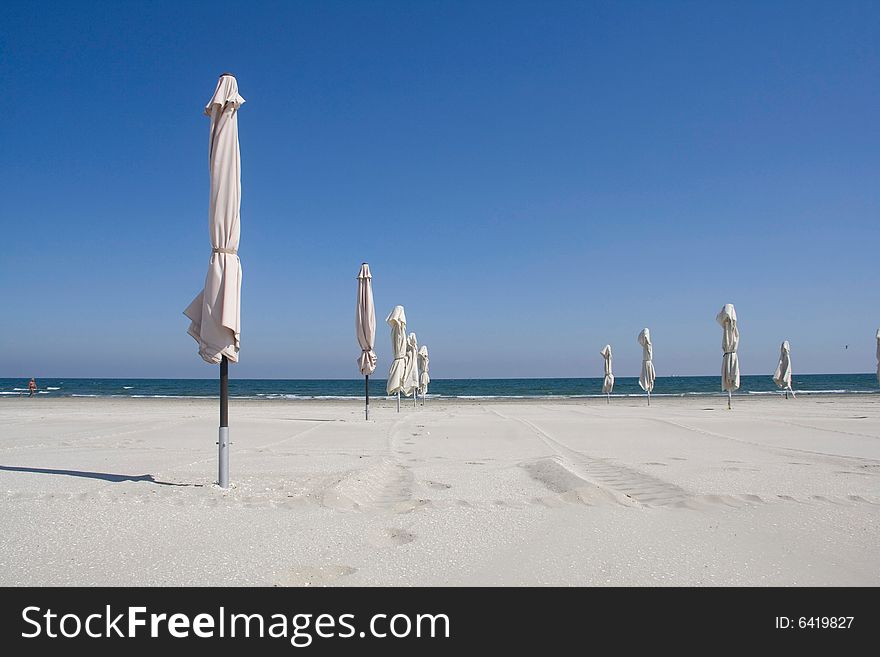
(600, 400)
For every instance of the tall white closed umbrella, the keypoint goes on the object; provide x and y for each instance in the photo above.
(215, 313)
(424, 377)
(411, 372)
(397, 321)
(729, 343)
(365, 329)
(782, 377)
(647, 376)
(878, 356)
(608, 383)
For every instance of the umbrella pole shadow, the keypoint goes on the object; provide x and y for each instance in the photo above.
(102, 476)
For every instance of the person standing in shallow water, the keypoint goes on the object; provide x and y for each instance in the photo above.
(32, 387)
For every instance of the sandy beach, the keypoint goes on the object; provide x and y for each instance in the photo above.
(120, 492)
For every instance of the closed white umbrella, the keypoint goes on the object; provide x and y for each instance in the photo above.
(647, 376)
(782, 377)
(878, 356)
(365, 329)
(424, 377)
(608, 383)
(215, 313)
(729, 343)
(397, 321)
(411, 372)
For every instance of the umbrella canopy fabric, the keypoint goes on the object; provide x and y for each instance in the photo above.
(411, 370)
(215, 313)
(365, 321)
(782, 377)
(647, 376)
(608, 383)
(424, 378)
(729, 343)
(397, 321)
(878, 355)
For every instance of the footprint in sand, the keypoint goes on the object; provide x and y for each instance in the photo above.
(315, 575)
(390, 537)
(296, 503)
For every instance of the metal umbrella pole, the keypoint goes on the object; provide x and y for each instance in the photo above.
(223, 441)
(367, 397)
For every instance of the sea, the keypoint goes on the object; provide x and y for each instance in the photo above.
(672, 386)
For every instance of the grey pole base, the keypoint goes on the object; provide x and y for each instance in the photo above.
(223, 441)
(398, 402)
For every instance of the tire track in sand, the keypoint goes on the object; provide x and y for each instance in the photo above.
(626, 484)
(386, 485)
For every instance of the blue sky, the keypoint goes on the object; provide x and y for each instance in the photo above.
(530, 180)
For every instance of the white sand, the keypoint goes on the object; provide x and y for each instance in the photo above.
(685, 492)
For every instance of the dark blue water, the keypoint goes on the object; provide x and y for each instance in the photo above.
(450, 388)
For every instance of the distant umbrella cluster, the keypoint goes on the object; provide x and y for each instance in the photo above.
(408, 374)
(730, 371)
